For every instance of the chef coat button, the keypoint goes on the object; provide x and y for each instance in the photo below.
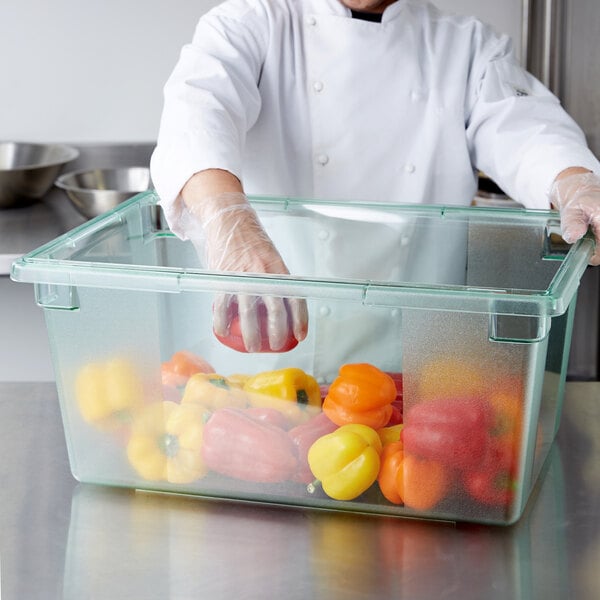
(321, 380)
(323, 234)
(416, 96)
(409, 168)
(311, 20)
(395, 312)
(322, 159)
(318, 86)
(324, 311)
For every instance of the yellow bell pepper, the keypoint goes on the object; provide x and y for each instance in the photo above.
(165, 442)
(391, 434)
(108, 392)
(346, 462)
(291, 391)
(214, 391)
(238, 379)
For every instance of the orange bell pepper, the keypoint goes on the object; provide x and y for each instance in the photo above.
(392, 458)
(361, 394)
(412, 481)
(424, 482)
(181, 366)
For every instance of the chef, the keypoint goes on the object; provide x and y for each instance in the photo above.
(386, 101)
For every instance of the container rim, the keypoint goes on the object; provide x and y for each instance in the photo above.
(38, 267)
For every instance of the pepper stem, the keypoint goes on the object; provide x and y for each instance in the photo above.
(312, 487)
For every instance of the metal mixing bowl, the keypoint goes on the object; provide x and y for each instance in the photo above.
(27, 171)
(94, 191)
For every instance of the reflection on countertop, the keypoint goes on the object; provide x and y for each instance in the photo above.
(61, 539)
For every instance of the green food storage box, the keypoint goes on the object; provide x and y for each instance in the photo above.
(429, 383)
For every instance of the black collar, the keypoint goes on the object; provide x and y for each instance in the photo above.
(366, 16)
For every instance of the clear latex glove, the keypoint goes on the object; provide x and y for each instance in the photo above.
(577, 197)
(234, 240)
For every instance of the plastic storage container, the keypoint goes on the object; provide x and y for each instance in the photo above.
(452, 326)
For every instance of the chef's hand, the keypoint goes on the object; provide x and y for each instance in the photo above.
(576, 194)
(234, 240)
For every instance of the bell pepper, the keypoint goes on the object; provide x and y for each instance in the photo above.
(362, 394)
(412, 481)
(453, 431)
(233, 339)
(292, 391)
(493, 483)
(181, 366)
(238, 445)
(238, 380)
(304, 436)
(507, 409)
(396, 417)
(424, 482)
(165, 442)
(389, 476)
(346, 462)
(214, 391)
(389, 434)
(108, 393)
(268, 415)
(451, 378)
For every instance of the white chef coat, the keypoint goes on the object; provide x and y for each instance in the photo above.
(297, 98)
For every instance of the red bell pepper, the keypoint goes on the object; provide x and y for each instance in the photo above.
(235, 340)
(304, 436)
(397, 416)
(494, 482)
(398, 382)
(266, 414)
(238, 445)
(454, 432)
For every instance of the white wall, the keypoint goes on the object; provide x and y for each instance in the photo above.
(93, 70)
(89, 70)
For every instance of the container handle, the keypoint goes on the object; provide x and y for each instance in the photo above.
(518, 329)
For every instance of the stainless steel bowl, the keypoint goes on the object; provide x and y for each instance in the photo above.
(94, 191)
(27, 171)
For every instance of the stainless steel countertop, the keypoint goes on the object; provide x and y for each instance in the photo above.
(62, 539)
(24, 229)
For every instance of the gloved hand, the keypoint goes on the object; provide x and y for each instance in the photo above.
(577, 197)
(234, 240)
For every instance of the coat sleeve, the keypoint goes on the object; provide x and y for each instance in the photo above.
(518, 132)
(211, 99)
